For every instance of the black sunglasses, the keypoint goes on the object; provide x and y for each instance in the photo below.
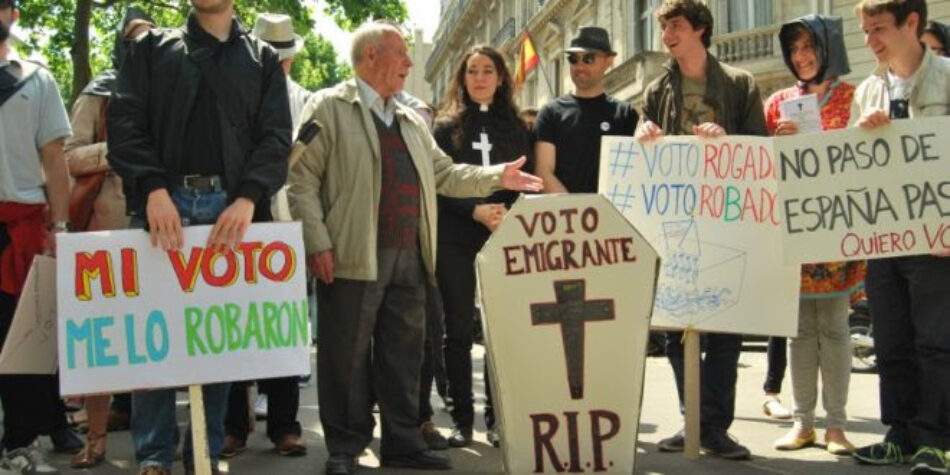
(587, 58)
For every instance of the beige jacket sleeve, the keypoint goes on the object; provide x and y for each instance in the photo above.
(305, 181)
(84, 154)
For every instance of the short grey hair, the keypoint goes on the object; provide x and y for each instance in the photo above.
(369, 34)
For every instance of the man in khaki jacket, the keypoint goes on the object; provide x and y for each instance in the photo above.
(365, 189)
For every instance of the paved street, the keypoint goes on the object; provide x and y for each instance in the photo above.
(659, 418)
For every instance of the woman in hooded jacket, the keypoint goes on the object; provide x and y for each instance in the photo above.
(478, 124)
(103, 207)
(814, 51)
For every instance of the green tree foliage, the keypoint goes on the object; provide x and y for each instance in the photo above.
(351, 13)
(76, 36)
(317, 65)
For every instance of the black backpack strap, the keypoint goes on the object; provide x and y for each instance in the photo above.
(10, 83)
(221, 85)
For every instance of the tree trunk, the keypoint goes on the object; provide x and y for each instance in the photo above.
(82, 72)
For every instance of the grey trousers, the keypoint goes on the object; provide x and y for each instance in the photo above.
(823, 344)
(369, 348)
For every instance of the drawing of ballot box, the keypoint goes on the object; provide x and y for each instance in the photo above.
(699, 279)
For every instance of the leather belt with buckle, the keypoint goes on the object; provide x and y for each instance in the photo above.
(199, 183)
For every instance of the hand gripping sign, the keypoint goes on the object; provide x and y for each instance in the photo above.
(567, 288)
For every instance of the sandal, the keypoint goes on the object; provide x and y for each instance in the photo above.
(92, 454)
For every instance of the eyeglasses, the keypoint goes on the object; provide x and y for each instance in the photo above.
(587, 58)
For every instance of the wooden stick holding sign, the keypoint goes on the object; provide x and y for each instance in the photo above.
(199, 431)
(692, 393)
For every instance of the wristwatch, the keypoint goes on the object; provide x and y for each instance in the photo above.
(61, 226)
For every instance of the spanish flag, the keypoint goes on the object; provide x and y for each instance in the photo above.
(528, 60)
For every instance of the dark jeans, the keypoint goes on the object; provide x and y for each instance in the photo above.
(455, 270)
(283, 399)
(433, 363)
(718, 373)
(31, 402)
(909, 299)
(371, 335)
(778, 361)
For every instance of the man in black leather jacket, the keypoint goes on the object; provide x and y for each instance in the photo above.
(199, 130)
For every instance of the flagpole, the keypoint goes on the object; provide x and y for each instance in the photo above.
(544, 73)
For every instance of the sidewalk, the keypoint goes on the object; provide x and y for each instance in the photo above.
(660, 418)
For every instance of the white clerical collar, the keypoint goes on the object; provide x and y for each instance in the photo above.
(385, 110)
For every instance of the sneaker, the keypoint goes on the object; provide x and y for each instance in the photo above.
(260, 407)
(721, 444)
(673, 443)
(929, 460)
(27, 461)
(773, 408)
(882, 453)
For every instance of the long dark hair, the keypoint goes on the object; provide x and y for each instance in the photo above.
(458, 107)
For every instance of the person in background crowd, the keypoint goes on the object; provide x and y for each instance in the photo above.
(220, 166)
(569, 128)
(937, 37)
(698, 95)
(34, 207)
(365, 189)
(103, 207)
(477, 125)
(529, 115)
(279, 398)
(907, 296)
(774, 374)
(814, 51)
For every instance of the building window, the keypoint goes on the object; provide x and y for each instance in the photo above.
(646, 25)
(748, 14)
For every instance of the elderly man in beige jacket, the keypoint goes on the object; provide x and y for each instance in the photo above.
(365, 189)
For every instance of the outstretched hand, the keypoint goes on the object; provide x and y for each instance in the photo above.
(513, 178)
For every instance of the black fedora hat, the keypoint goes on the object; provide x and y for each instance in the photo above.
(591, 39)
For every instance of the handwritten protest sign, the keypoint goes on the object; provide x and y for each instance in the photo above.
(854, 194)
(30, 347)
(709, 208)
(567, 288)
(135, 317)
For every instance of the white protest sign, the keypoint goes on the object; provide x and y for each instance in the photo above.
(567, 287)
(30, 347)
(709, 208)
(855, 194)
(136, 317)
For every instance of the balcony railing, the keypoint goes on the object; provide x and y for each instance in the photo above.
(746, 45)
(453, 17)
(504, 33)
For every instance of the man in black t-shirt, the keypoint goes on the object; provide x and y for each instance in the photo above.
(569, 128)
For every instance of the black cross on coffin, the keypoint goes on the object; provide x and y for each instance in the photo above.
(571, 311)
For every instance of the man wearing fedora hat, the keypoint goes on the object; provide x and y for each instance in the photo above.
(278, 398)
(277, 30)
(569, 128)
